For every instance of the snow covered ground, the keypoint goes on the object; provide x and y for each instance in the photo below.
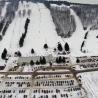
(41, 30)
(90, 83)
(79, 1)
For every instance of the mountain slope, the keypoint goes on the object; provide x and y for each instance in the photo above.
(42, 28)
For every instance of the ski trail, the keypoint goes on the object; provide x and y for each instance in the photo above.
(78, 36)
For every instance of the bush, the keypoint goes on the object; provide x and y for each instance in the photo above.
(54, 49)
(18, 53)
(64, 53)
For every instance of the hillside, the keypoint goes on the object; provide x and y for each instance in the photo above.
(30, 25)
(39, 28)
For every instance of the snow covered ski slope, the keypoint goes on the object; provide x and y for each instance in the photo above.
(41, 30)
(35, 28)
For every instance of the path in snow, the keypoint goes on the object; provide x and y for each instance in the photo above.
(78, 36)
(41, 30)
(89, 84)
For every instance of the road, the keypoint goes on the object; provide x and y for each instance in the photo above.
(36, 72)
(86, 70)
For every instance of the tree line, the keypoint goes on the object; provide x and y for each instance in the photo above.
(21, 41)
(41, 61)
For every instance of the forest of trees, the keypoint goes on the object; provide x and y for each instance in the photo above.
(87, 14)
(4, 54)
(64, 22)
(60, 59)
(41, 61)
(21, 41)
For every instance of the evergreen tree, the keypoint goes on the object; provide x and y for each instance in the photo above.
(37, 62)
(85, 28)
(1, 25)
(32, 51)
(77, 61)
(60, 59)
(63, 60)
(15, 53)
(44, 60)
(50, 63)
(66, 47)
(19, 53)
(85, 37)
(4, 53)
(31, 62)
(54, 49)
(5, 28)
(21, 41)
(57, 61)
(0, 37)
(60, 47)
(82, 45)
(97, 36)
(41, 61)
(5, 50)
(69, 34)
(45, 46)
(26, 23)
